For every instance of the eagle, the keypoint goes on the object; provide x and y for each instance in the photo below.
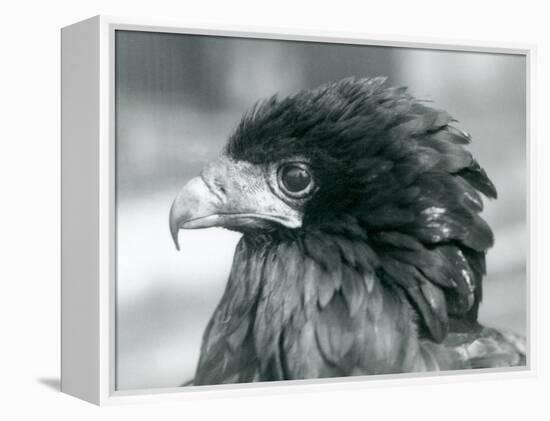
(362, 248)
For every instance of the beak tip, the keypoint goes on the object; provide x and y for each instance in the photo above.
(192, 202)
(174, 225)
(174, 233)
(174, 230)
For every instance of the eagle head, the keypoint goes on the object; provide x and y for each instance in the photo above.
(367, 170)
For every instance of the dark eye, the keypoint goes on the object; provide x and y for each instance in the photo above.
(295, 179)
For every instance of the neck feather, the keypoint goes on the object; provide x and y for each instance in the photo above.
(316, 307)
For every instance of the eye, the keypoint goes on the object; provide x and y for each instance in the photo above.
(295, 179)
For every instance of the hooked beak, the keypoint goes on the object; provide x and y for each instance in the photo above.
(233, 195)
(194, 207)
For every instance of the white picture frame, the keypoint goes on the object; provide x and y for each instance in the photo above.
(88, 217)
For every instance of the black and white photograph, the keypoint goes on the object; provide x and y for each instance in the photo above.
(275, 210)
(291, 210)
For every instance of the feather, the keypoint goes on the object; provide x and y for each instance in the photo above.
(237, 337)
(334, 331)
(280, 296)
(422, 160)
(398, 239)
(354, 289)
(302, 358)
(437, 328)
(426, 297)
(327, 256)
(389, 216)
(347, 251)
(326, 289)
(452, 134)
(435, 298)
(312, 273)
(477, 177)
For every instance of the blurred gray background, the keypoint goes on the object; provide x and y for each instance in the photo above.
(178, 97)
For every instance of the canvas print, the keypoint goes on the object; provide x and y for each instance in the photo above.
(302, 210)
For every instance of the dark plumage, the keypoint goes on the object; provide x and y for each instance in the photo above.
(375, 266)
